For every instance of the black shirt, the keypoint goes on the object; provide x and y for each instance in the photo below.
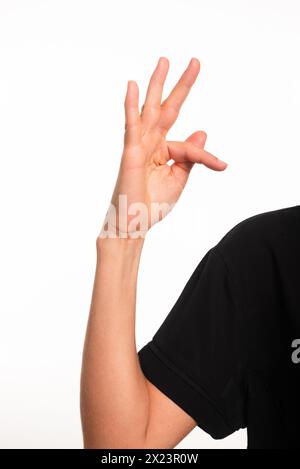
(228, 352)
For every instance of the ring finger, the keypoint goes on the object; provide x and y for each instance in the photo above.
(151, 109)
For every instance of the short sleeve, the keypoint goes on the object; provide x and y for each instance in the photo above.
(195, 355)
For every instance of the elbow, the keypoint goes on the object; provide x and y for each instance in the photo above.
(96, 441)
(102, 429)
(103, 435)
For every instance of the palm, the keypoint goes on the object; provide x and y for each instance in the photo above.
(165, 182)
(163, 186)
(145, 175)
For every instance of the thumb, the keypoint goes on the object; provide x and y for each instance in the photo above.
(198, 139)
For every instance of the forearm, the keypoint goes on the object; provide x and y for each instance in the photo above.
(114, 396)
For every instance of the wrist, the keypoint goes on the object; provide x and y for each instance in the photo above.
(118, 247)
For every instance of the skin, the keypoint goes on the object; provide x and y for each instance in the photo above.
(120, 408)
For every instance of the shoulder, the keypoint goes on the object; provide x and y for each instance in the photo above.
(259, 233)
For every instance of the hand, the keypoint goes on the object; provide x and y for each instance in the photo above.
(147, 187)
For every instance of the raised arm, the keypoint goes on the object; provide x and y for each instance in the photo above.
(120, 408)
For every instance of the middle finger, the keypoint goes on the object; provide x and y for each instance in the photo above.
(171, 106)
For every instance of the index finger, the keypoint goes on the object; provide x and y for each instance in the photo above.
(171, 105)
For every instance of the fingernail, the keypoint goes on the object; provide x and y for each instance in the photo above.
(194, 59)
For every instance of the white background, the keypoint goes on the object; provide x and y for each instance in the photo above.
(64, 67)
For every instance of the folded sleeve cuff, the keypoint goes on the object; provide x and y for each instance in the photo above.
(162, 373)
